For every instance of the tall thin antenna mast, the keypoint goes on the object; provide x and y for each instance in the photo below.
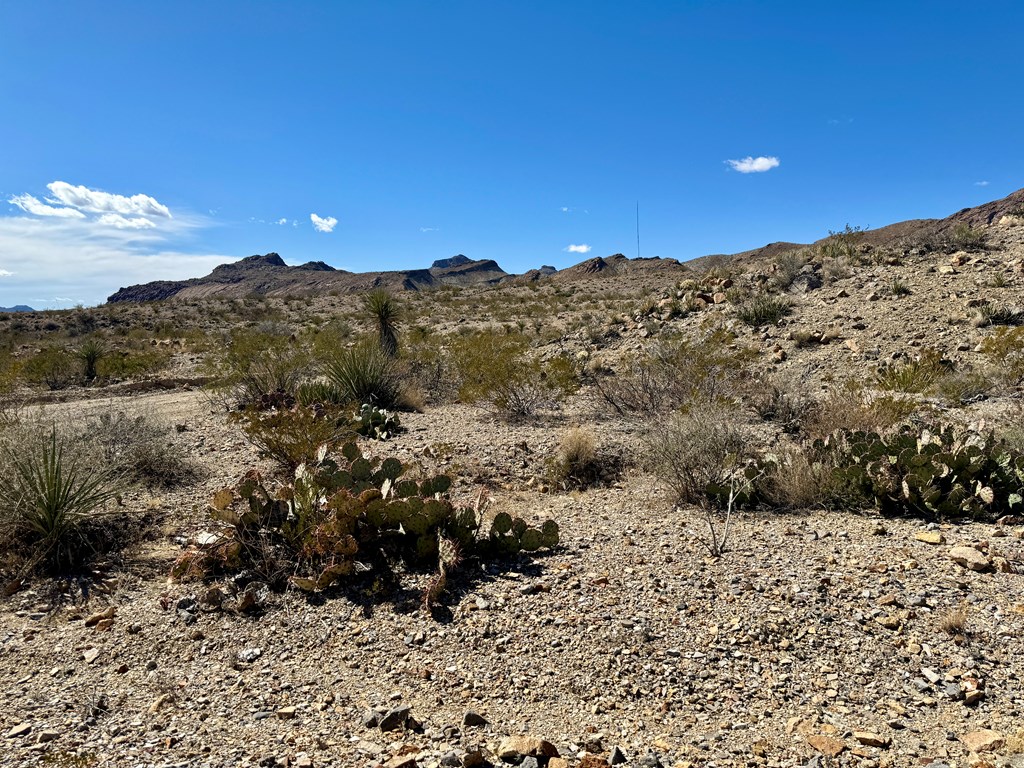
(638, 229)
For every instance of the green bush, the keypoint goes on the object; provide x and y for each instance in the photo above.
(51, 367)
(347, 515)
(498, 373)
(915, 376)
(51, 501)
(137, 448)
(89, 355)
(1004, 351)
(383, 309)
(764, 310)
(677, 373)
(295, 435)
(256, 365)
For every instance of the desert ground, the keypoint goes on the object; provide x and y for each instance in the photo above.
(821, 636)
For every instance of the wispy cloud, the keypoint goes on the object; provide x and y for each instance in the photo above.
(323, 224)
(428, 229)
(85, 243)
(581, 248)
(982, 183)
(568, 209)
(758, 164)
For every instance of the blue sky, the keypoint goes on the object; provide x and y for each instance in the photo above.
(147, 141)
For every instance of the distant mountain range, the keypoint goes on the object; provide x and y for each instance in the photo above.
(17, 308)
(268, 275)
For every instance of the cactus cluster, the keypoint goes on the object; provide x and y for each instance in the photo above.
(377, 423)
(339, 512)
(938, 471)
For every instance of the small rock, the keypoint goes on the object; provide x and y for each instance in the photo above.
(475, 757)
(472, 718)
(617, 757)
(969, 558)
(401, 761)
(285, 713)
(19, 730)
(827, 745)
(96, 618)
(91, 654)
(870, 739)
(513, 748)
(371, 718)
(48, 735)
(394, 719)
(983, 741)
(593, 761)
(451, 760)
(930, 537)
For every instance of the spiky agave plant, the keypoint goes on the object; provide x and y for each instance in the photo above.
(384, 310)
(90, 353)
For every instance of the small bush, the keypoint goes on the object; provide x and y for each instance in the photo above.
(130, 363)
(915, 376)
(51, 367)
(362, 374)
(967, 238)
(954, 622)
(498, 373)
(676, 373)
(256, 364)
(899, 288)
(990, 314)
(964, 387)
(576, 463)
(383, 309)
(294, 436)
(136, 447)
(1004, 351)
(850, 407)
(52, 502)
(764, 310)
(89, 355)
(799, 478)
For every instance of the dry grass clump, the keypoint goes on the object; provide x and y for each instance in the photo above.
(577, 462)
(954, 621)
(850, 407)
(799, 478)
(138, 447)
(294, 436)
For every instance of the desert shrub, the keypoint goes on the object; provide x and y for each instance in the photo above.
(295, 435)
(992, 314)
(1004, 352)
(964, 387)
(935, 471)
(675, 373)
(132, 363)
(137, 448)
(800, 477)
(704, 457)
(429, 367)
(898, 287)
(497, 372)
(850, 407)
(577, 463)
(764, 310)
(914, 376)
(343, 516)
(362, 374)
(787, 403)
(255, 364)
(51, 367)
(52, 502)
(842, 246)
(964, 237)
(787, 268)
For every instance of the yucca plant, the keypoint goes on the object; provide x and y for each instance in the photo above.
(362, 374)
(90, 353)
(47, 497)
(384, 311)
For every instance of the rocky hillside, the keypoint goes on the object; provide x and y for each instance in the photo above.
(268, 275)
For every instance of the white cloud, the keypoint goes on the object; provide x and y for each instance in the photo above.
(323, 225)
(754, 164)
(5, 273)
(428, 229)
(982, 183)
(581, 248)
(36, 207)
(82, 258)
(565, 209)
(122, 222)
(95, 201)
(281, 222)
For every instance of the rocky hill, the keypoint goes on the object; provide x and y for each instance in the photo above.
(269, 275)
(17, 308)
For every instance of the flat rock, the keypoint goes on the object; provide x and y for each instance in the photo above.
(514, 748)
(870, 739)
(19, 730)
(930, 537)
(985, 740)
(827, 745)
(969, 558)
